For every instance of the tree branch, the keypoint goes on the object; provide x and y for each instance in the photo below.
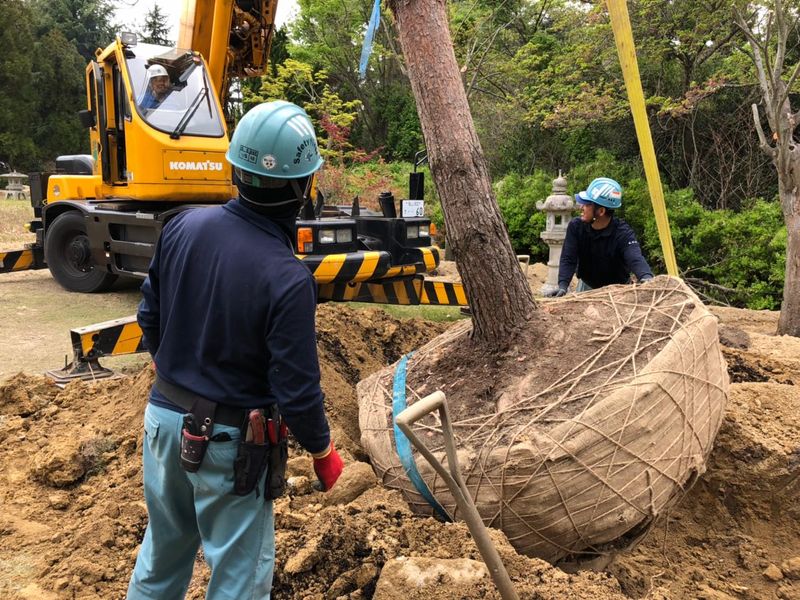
(758, 56)
(718, 46)
(763, 144)
(483, 56)
(789, 84)
(780, 54)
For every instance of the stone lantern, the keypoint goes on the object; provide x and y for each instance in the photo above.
(559, 207)
(15, 189)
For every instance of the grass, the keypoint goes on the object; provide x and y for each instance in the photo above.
(14, 214)
(429, 313)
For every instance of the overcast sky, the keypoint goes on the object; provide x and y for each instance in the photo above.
(131, 13)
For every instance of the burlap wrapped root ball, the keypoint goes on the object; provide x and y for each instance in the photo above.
(574, 440)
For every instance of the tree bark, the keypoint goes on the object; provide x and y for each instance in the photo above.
(499, 295)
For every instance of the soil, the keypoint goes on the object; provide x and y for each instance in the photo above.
(72, 513)
(38, 314)
(564, 333)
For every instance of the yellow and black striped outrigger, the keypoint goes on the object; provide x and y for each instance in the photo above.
(22, 260)
(124, 336)
(355, 267)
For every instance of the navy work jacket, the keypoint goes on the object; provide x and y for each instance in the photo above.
(601, 257)
(228, 313)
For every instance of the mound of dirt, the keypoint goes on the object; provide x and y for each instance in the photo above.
(737, 532)
(72, 513)
(743, 516)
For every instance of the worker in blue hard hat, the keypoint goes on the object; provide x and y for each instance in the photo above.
(228, 313)
(602, 248)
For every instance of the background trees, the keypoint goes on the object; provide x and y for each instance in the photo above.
(545, 91)
(155, 29)
(41, 77)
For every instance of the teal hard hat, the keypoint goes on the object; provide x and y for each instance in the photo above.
(603, 191)
(275, 139)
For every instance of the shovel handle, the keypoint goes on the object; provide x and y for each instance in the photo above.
(422, 408)
(455, 483)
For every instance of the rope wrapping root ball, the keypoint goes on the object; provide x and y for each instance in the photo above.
(579, 450)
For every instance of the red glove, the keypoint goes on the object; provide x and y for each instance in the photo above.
(328, 466)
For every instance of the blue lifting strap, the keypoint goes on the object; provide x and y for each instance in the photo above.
(366, 49)
(401, 441)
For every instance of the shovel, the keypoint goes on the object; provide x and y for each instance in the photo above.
(456, 484)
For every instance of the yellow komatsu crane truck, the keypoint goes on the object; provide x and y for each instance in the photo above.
(98, 216)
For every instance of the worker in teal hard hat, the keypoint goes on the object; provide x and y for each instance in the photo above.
(600, 247)
(228, 313)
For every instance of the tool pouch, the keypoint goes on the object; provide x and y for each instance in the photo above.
(275, 483)
(251, 460)
(193, 449)
(198, 427)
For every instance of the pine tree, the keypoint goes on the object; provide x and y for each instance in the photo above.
(155, 29)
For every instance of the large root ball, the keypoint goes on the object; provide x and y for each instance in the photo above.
(598, 417)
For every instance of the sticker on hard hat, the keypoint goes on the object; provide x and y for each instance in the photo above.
(248, 154)
(269, 162)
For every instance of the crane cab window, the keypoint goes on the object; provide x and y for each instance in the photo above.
(173, 92)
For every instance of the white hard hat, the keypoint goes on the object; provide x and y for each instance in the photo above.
(156, 71)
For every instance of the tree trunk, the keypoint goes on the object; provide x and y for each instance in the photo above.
(789, 321)
(787, 163)
(499, 295)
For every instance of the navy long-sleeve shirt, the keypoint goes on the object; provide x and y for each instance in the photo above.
(228, 313)
(601, 257)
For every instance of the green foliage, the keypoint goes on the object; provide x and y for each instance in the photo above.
(41, 90)
(403, 134)
(744, 251)
(17, 95)
(517, 196)
(328, 35)
(86, 24)
(155, 28)
(59, 76)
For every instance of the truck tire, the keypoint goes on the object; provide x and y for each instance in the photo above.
(66, 250)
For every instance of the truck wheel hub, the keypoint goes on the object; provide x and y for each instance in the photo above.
(79, 254)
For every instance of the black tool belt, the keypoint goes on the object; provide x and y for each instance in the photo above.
(189, 401)
(263, 443)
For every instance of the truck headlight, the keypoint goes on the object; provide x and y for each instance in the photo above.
(412, 231)
(424, 231)
(344, 236)
(327, 236)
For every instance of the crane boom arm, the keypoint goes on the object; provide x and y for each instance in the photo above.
(234, 36)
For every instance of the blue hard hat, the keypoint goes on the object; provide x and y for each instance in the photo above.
(603, 191)
(275, 139)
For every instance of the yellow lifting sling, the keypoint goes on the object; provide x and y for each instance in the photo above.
(623, 36)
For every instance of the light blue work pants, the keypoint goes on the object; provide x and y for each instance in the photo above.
(582, 287)
(189, 509)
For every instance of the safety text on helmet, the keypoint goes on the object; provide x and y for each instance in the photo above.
(307, 144)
